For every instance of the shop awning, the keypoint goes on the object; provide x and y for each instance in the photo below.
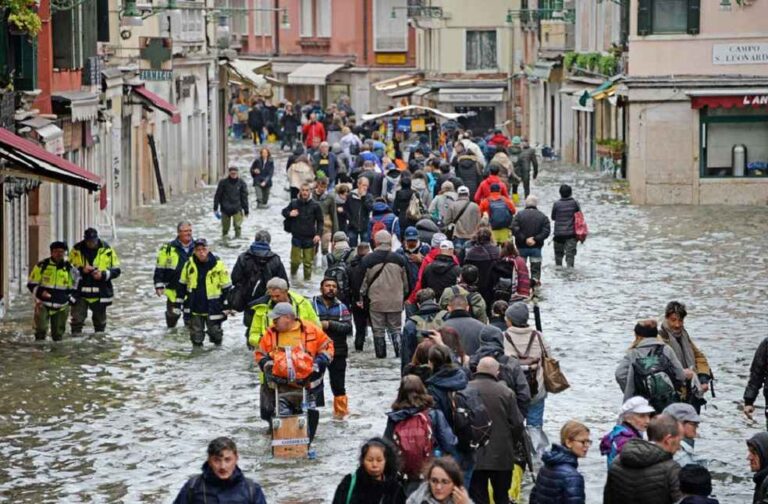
(542, 69)
(253, 72)
(397, 93)
(84, 106)
(422, 91)
(28, 160)
(112, 82)
(157, 102)
(410, 108)
(470, 95)
(313, 74)
(728, 98)
(405, 80)
(604, 90)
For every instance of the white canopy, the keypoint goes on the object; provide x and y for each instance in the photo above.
(313, 73)
(401, 110)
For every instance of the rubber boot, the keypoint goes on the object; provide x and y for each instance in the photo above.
(380, 346)
(395, 343)
(340, 408)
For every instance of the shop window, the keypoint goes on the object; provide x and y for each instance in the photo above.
(668, 16)
(735, 142)
(315, 18)
(390, 34)
(481, 51)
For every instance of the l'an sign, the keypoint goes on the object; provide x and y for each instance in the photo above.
(755, 101)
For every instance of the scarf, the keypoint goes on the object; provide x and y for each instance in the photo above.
(680, 342)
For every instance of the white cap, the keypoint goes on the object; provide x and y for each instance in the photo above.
(636, 404)
(446, 245)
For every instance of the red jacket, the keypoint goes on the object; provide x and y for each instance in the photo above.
(484, 189)
(424, 263)
(499, 139)
(312, 130)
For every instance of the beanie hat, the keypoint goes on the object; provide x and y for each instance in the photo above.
(517, 314)
(695, 480)
(437, 239)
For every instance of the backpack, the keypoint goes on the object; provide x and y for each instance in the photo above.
(423, 324)
(530, 365)
(580, 228)
(415, 210)
(415, 443)
(254, 286)
(500, 216)
(471, 421)
(379, 225)
(653, 380)
(339, 270)
(506, 287)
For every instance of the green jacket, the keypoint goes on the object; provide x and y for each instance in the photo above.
(261, 319)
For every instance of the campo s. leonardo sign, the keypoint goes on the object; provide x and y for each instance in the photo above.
(744, 53)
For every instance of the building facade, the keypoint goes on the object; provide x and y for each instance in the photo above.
(698, 116)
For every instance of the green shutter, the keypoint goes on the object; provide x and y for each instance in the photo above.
(644, 17)
(694, 15)
(26, 63)
(102, 20)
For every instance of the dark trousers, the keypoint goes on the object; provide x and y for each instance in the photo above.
(288, 138)
(360, 317)
(80, 313)
(199, 324)
(337, 370)
(500, 482)
(46, 317)
(565, 247)
(173, 312)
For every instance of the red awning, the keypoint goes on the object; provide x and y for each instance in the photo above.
(29, 160)
(731, 101)
(158, 102)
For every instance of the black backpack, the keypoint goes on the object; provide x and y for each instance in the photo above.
(254, 285)
(653, 379)
(339, 270)
(471, 421)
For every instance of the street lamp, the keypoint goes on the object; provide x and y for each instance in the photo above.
(285, 23)
(130, 15)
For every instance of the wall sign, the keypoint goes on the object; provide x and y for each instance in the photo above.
(755, 53)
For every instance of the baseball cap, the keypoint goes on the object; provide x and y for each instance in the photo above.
(411, 233)
(463, 190)
(201, 242)
(281, 310)
(682, 412)
(446, 245)
(636, 404)
(91, 234)
(437, 239)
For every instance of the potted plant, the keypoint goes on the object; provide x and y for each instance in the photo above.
(22, 17)
(610, 147)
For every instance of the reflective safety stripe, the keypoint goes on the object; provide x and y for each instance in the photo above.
(104, 300)
(216, 317)
(93, 290)
(54, 305)
(54, 287)
(159, 285)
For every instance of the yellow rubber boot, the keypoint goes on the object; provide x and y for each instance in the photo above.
(340, 407)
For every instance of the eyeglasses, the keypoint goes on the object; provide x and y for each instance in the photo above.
(443, 482)
(584, 442)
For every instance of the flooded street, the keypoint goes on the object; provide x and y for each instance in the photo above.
(126, 417)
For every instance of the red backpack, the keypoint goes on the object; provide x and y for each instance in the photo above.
(379, 225)
(413, 438)
(580, 226)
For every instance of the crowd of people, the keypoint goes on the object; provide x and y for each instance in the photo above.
(433, 255)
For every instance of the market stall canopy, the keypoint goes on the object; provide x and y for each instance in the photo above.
(313, 74)
(253, 72)
(399, 92)
(158, 102)
(402, 110)
(542, 69)
(83, 106)
(28, 160)
(728, 98)
(401, 81)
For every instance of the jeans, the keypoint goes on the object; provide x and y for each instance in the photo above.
(356, 237)
(303, 256)
(535, 416)
(238, 129)
(228, 220)
(55, 318)
(80, 313)
(533, 254)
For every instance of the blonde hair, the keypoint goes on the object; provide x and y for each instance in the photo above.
(570, 430)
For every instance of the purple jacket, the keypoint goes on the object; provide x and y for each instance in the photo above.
(613, 442)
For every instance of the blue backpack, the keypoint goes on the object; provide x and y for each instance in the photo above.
(500, 216)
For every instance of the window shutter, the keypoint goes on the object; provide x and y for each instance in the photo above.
(306, 19)
(644, 17)
(26, 64)
(694, 16)
(102, 20)
(324, 14)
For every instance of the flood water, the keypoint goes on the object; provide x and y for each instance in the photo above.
(126, 417)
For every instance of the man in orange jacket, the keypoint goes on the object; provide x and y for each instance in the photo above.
(313, 129)
(484, 189)
(283, 355)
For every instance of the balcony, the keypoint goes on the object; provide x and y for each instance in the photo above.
(557, 35)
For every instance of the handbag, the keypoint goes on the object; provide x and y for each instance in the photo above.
(554, 379)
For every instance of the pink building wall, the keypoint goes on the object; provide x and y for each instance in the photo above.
(683, 54)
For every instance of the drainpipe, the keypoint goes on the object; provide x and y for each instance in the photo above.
(365, 31)
(276, 29)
